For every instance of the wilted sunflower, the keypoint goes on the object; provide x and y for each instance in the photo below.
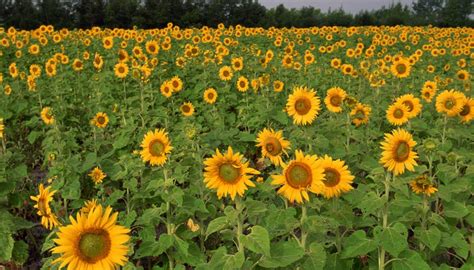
(100, 120)
(401, 68)
(228, 174)
(450, 102)
(337, 177)
(398, 153)
(303, 105)
(121, 70)
(92, 241)
(155, 147)
(45, 196)
(210, 95)
(97, 175)
(273, 145)
(89, 205)
(47, 116)
(360, 114)
(242, 84)
(301, 175)
(225, 73)
(467, 112)
(422, 184)
(334, 99)
(397, 114)
(187, 109)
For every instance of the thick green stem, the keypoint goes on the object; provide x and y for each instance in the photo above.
(445, 123)
(384, 219)
(239, 229)
(304, 234)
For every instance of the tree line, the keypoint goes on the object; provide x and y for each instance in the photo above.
(29, 14)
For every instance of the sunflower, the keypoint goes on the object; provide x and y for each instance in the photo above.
(412, 103)
(77, 65)
(47, 116)
(121, 70)
(210, 95)
(401, 68)
(176, 84)
(337, 177)
(336, 63)
(187, 109)
(398, 152)
(242, 84)
(450, 102)
(303, 105)
(92, 241)
(45, 196)
(2, 128)
(89, 205)
(228, 174)
(422, 184)
(397, 114)
(166, 89)
(273, 145)
(225, 73)
(462, 75)
(467, 112)
(278, 86)
(428, 93)
(98, 61)
(300, 175)
(360, 114)
(12, 68)
(237, 63)
(152, 47)
(108, 42)
(155, 147)
(100, 120)
(334, 98)
(97, 175)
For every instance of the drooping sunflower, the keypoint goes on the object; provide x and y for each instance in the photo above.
(45, 196)
(228, 174)
(300, 175)
(225, 73)
(398, 153)
(97, 175)
(422, 185)
(337, 177)
(303, 105)
(397, 114)
(92, 241)
(401, 68)
(100, 120)
(450, 102)
(187, 109)
(210, 95)
(242, 84)
(155, 147)
(273, 145)
(360, 114)
(467, 112)
(334, 99)
(47, 116)
(121, 70)
(89, 205)
(412, 103)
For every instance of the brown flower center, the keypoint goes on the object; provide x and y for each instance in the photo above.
(94, 245)
(466, 109)
(229, 172)
(101, 120)
(156, 148)
(298, 175)
(409, 105)
(398, 113)
(273, 146)
(331, 177)
(336, 101)
(449, 104)
(186, 109)
(302, 106)
(401, 68)
(401, 151)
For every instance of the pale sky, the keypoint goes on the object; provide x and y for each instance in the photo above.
(352, 6)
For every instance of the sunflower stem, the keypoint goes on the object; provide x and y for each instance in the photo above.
(445, 122)
(384, 219)
(238, 208)
(304, 234)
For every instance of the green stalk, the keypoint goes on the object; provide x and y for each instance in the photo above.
(384, 219)
(304, 234)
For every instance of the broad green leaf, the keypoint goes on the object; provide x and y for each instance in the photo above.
(20, 252)
(283, 254)
(430, 237)
(358, 244)
(257, 241)
(316, 258)
(394, 239)
(410, 260)
(455, 209)
(6, 246)
(181, 245)
(216, 225)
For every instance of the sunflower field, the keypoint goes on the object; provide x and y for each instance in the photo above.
(237, 148)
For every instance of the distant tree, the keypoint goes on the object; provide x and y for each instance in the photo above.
(427, 11)
(21, 14)
(338, 17)
(365, 18)
(456, 13)
(121, 13)
(55, 12)
(89, 13)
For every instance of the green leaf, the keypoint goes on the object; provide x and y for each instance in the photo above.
(114, 197)
(410, 260)
(257, 241)
(458, 242)
(430, 237)
(151, 216)
(89, 161)
(216, 225)
(394, 239)
(358, 244)
(280, 117)
(455, 209)
(221, 260)
(283, 254)
(72, 189)
(6, 246)
(33, 136)
(316, 258)
(247, 137)
(154, 248)
(234, 261)
(20, 252)
(371, 203)
(121, 142)
(181, 245)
